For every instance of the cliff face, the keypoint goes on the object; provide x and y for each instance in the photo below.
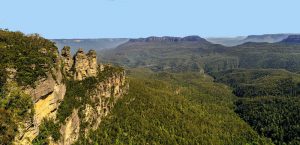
(88, 116)
(49, 92)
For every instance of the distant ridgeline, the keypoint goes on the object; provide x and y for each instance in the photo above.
(292, 39)
(193, 53)
(88, 44)
(234, 41)
(48, 98)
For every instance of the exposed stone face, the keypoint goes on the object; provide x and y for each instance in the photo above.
(11, 74)
(67, 60)
(46, 96)
(49, 92)
(70, 131)
(81, 66)
(104, 98)
(92, 59)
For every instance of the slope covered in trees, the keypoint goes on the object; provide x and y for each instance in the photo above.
(270, 102)
(170, 108)
(260, 82)
(274, 117)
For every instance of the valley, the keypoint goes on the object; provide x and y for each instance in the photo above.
(155, 90)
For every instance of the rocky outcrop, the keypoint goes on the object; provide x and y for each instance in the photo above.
(50, 91)
(10, 74)
(67, 60)
(81, 66)
(70, 130)
(47, 96)
(103, 98)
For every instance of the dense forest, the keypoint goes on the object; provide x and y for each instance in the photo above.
(168, 108)
(270, 101)
(274, 117)
(260, 82)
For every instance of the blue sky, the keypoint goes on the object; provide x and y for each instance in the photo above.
(142, 18)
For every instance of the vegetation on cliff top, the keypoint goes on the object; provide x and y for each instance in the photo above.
(78, 91)
(31, 55)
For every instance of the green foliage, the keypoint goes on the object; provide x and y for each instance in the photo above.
(274, 117)
(47, 129)
(76, 95)
(260, 82)
(15, 108)
(24, 54)
(78, 92)
(267, 55)
(8, 127)
(169, 108)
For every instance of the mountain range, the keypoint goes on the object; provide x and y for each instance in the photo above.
(87, 44)
(197, 54)
(233, 41)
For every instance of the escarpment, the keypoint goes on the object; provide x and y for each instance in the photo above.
(90, 96)
(72, 93)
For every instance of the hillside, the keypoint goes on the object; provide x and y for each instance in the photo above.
(88, 44)
(166, 55)
(166, 108)
(179, 56)
(270, 101)
(267, 55)
(260, 82)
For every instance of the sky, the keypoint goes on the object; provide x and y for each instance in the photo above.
(143, 18)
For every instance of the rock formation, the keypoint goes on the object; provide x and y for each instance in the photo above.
(67, 60)
(46, 95)
(82, 66)
(50, 91)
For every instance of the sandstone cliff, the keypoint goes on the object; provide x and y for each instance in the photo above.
(49, 93)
